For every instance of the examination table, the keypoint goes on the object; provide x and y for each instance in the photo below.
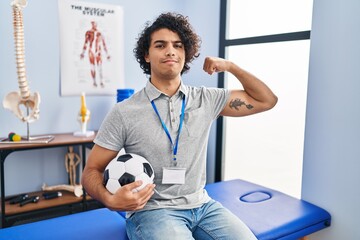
(269, 214)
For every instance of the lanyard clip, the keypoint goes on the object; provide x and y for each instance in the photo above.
(174, 160)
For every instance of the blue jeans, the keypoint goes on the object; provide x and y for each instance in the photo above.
(210, 221)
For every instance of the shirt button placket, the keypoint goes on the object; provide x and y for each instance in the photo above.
(171, 108)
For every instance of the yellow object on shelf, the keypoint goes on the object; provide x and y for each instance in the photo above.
(16, 138)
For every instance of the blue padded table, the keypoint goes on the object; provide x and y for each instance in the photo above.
(96, 224)
(268, 213)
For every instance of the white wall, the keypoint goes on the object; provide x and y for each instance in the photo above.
(332, 140)
(58, 114)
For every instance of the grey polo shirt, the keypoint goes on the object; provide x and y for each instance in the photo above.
(133, 125)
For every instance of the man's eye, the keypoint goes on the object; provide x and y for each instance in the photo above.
(159, 46)
(179, 45)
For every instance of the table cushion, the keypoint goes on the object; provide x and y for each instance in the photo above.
(269, 214)
(91, 225)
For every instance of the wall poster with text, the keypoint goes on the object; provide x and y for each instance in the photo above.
(91, 48)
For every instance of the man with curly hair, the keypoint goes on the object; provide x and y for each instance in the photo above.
(168, 123)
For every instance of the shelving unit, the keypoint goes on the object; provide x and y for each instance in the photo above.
(13, 214)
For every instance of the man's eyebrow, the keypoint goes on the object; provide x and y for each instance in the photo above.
(163, 41)
(159, 41)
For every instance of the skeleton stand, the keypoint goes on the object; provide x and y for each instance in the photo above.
(28, 138)
(38, 139)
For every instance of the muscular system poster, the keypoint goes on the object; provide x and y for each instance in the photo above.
(91, 48)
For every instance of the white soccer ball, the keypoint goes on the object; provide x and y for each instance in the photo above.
(126, 169)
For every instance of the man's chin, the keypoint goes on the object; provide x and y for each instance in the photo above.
(171, 75)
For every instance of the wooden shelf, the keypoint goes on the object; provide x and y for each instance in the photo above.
(65, 199)
(11, 214)
(64, 139)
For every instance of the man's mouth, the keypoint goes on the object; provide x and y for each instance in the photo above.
(170, 61)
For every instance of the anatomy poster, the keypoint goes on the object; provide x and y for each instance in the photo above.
(91, 48)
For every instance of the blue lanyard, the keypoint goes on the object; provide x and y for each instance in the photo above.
(174, 146)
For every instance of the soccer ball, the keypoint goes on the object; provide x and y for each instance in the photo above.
(126, 169)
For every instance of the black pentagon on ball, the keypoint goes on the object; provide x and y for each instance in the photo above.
(147, 169)
(124, 158)
(106, 177)
(126, 178)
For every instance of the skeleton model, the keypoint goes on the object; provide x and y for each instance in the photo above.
(13, 100)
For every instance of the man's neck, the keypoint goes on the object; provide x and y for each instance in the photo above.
(169, 87)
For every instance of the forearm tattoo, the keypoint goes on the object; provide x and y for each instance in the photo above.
(236, 103)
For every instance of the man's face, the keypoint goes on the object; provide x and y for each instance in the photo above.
(166, 54)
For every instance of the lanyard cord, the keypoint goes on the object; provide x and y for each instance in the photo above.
(174, 146)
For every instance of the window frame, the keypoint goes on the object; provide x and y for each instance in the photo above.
(223, 44)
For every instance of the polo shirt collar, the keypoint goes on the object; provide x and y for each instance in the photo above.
(154, 93)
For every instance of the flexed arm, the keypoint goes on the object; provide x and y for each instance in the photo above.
(255, 96)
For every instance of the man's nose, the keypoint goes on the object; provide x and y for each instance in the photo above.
(170, 51)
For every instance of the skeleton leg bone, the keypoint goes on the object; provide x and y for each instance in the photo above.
(77, 189)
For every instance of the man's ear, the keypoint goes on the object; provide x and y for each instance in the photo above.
(146, 57)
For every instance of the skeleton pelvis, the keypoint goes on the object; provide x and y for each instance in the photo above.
(13, 101)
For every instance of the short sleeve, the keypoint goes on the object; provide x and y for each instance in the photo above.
(111, 134)
(217, 98)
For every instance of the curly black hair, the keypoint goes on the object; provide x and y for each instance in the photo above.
(174, 22)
